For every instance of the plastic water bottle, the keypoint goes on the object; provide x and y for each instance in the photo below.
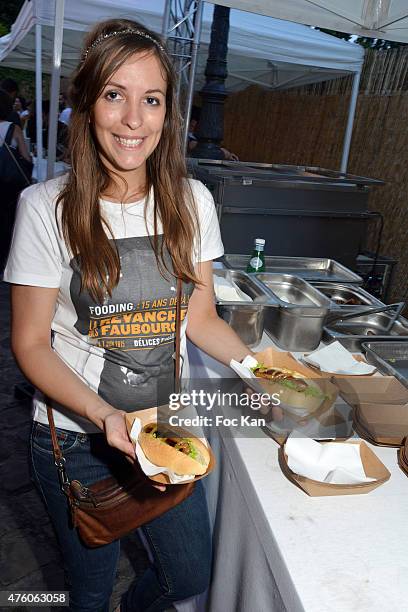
(257, 261)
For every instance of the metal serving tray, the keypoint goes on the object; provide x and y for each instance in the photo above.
(389, 357)
(343, 296)
(297, 324)
(246, 318)
(352, 334)
(294, 292)
(308, 268)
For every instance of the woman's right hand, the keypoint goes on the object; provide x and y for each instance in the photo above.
(117, 436)
(114, 426)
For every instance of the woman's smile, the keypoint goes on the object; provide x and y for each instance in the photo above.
(128, 142)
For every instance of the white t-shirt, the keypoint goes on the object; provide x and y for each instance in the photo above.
(4, 126)
(121, 348)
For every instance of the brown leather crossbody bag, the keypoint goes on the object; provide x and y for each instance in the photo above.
(109, 509)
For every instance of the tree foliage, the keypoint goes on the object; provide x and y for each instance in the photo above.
(9, 10)
(364, 41)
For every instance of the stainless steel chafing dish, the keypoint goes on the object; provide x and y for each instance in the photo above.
(246, 318)
(309, 268)
(390, 358)
(373, 327)
(297, 323)
(345, 296)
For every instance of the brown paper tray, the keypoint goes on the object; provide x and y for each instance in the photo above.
(356, 390)
(331, 418)
(378, 437)
(403, 457)
(373, 468)
(150, 415)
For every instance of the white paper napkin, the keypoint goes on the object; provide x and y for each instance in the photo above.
(150, 469)
(243, 370)
(228, 291)
(333, 462)
(336, 359)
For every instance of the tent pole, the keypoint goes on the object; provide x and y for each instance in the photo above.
(350, 121)
(193, 67)
(55, 85)
(38, 97)
(166, 20)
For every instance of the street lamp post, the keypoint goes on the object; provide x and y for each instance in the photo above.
(211, 126)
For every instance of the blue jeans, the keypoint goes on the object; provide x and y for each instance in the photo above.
(180, 539)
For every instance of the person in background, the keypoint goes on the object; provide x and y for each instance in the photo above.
(63, 125)
(31, 126)
(193, 125)
(192, 138)
(10, 86)
(65, 114)
(9, 191)
(20, 107)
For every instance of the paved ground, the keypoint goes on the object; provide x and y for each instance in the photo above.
(29, 555)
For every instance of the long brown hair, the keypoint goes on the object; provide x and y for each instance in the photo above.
(83, 226)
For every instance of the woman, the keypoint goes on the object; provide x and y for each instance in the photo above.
(20, 107)
(9, 190)
(17, 140)
(114, 234)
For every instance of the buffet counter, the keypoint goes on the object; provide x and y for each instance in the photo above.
(277, 549)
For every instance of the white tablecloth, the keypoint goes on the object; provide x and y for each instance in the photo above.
(277, 549)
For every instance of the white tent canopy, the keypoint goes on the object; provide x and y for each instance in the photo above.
(273, 53)
(387, 19)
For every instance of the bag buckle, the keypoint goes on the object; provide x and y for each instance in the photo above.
(62, 474)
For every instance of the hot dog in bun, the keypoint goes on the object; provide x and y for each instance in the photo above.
(175, 449)
(294, 388)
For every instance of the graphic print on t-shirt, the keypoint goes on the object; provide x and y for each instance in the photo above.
(133, 331)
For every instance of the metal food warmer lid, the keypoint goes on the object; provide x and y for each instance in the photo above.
(225, 170)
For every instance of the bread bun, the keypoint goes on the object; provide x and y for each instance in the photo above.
(163, 451)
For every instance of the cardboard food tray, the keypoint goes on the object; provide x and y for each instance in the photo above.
(282, 359)
(403, 457)
(384, 422)
(332, 418)
(373, 468)
(150, 416)
(372, 436)
(376, 389)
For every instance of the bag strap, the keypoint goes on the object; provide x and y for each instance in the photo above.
(59, 458)
(178, 335)
(9, 134)
(16, 162)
